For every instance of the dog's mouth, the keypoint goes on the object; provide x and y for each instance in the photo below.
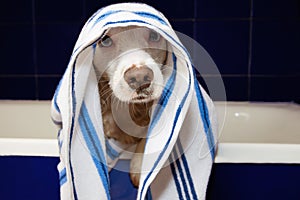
(142, 96)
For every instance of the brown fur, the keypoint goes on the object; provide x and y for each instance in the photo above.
(139, 112)
(126, 39)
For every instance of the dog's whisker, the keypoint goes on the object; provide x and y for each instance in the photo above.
(109, 98)
(107, 92)
(103, 78)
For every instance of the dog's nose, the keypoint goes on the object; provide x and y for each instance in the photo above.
(138, 78)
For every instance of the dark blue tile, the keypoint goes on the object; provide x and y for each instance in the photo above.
(236, 87)
(16, 88)
(223, 9)
(227, 44)
(16, 11)
(47, 86)
(59, 11)
(29, 177)
(275, 88)
(185, 27)
(276, 47)
(276, 8)
(55, 43)
(236, 181)
(175, 9)
(16, 49)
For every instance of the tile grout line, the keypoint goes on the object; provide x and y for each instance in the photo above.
(83, 10)
(194, 27)
(204, 75)
(30, 75)
(250, 50)
(34, 41)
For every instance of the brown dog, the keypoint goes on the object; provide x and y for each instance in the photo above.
(130, 63)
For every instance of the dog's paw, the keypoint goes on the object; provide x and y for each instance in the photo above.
(135, 179)
(135, 169)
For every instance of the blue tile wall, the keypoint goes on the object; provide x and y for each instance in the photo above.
(253, 181)
(19, 11)
(254, 43)
(276, 44)
(54, 44)
(227, 42)
(217, 9)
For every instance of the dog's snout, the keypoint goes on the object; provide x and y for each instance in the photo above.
(138, 77)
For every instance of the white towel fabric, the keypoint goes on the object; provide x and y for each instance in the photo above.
(181, 138)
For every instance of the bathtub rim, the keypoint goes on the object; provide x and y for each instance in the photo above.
(226, 152)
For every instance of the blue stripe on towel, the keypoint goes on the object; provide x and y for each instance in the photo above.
(205, 119)
(183, 168)
(72, 128)
(175, 177)
(59, 140)
(93, 143)
(103, 16)
(140, 13)
(167, 91)
(151, 16)
(111, 152)
(178, 111)
(148, 195)
(55, 97)
(58, 123)
(187, 170)
(62, 177)
(181, 174)
(94, 15)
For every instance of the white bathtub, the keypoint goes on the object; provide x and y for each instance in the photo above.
(249, 132)
(259, 133)
(27, 129)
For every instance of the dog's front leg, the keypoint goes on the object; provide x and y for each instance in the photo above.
(136, 162)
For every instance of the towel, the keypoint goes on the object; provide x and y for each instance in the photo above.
(181, 137)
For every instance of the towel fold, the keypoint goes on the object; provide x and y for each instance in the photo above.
(181, 137)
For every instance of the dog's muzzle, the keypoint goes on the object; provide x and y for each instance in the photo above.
(136, 77)
(139, 78)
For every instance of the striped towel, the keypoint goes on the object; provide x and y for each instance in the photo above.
(181, 140)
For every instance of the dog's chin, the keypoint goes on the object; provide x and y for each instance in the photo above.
(141, 99)
(133, 97)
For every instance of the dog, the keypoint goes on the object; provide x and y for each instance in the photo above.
(130, 62)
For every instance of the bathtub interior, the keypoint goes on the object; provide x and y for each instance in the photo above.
(27, 120)
(240, 123)
(270, 123)
(27, 129)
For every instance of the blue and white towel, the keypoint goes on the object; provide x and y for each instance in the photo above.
(181, 138)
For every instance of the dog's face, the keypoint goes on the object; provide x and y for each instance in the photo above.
(132, 58)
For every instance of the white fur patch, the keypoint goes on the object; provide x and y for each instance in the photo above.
(118, 67)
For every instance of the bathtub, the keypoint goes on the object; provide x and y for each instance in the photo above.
(255, 140)
(258, 132)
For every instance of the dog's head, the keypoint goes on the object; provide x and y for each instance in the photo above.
(132, 60)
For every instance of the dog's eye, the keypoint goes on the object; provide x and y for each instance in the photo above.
(106, 41)
(154, 36)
